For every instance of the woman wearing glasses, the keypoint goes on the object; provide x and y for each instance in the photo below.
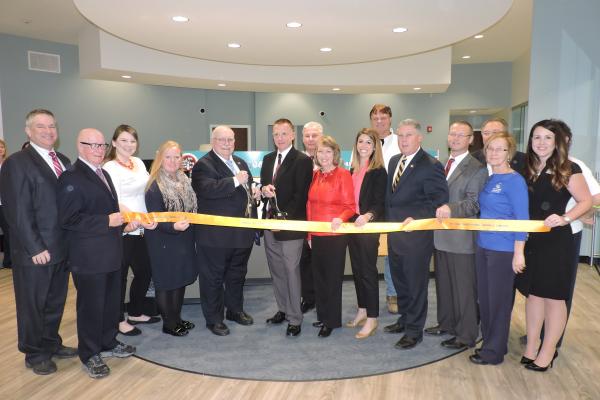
(499, 255)
(130, 177)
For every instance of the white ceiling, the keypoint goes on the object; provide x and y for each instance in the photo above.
(358, 31)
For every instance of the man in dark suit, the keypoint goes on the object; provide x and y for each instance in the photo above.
(456, 287)
(223, 186)
(285, 177)
(416, 188)
(488, 128)
(40, 274)
(88, 211)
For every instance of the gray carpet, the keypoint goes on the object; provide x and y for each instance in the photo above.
(262, 352)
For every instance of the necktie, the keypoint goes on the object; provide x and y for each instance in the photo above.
(277, 167)
(57, 167)
(448, 165)
(230, 165)
(103, 178)
(399, 173)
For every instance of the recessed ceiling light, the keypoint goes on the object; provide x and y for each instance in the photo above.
(234, 45)
(473, 111)
(336, 89)
(399, 29)
(126, 76)
(293, 24)
(325, 49)
(478, 36)
(222, 84)
(180, 18)
(465, 57)
(416, 88)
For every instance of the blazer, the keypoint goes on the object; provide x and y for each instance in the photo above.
(292, 182)
(518, 162)
(28, 189)
(372, 194)
(212, 180)
(464, 186)
(84, 203)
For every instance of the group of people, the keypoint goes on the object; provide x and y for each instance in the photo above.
(65, 217)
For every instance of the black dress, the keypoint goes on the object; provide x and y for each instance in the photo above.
(548, 255)
(172, 253)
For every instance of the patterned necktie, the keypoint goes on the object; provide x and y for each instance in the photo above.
(58, 169)
(398, 173)
(230, 165)
(277, 167)
(448, 166)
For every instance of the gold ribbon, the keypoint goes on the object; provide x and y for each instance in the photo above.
(465, 224)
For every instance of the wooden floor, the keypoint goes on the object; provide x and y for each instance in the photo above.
(576, 374)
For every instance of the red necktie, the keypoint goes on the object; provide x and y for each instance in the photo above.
(57, 167)
(449, 165)
(277, 167)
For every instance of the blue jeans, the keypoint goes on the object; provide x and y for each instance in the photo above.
(390, 290)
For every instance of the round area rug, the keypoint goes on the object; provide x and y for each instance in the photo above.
(263, 352)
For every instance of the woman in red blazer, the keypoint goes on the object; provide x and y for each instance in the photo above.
(330, 198)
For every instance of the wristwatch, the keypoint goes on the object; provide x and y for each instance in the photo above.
(569, 220)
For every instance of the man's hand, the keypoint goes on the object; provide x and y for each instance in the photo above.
(41, 258)
(115, 219)
(181, 225)
(268, 191)
(443, 212)
(242, 177)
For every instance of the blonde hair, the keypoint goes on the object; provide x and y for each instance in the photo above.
(157, 163)
(329, 141)
(510, 141)
(376, 158)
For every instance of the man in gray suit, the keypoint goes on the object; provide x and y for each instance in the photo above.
(455, 250)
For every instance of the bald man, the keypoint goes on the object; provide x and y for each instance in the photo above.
(88, 211)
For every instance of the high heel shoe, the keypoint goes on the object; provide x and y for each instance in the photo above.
(369, 333)
(525, 360)
(534, 367)
(354, 323)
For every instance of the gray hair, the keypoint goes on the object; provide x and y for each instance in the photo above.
(411, 122)
(313, 125)
(218, 128)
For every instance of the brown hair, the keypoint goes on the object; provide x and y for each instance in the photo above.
(3, 143)
(501, 120)
(381, 109)
(282, 121)
(376, 158)
(38, 111)
(558, 163)
(328, 141)
(158, 159)
(111, 153)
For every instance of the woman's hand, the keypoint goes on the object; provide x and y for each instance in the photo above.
(363, 219)
(181, 225)
(131, 226)
(518, 262)
(555, 220)
(149, 225)
(336, 223)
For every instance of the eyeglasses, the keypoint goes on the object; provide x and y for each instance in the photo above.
(495, 150)
(459, 135)
(96, 146)
(225, 140)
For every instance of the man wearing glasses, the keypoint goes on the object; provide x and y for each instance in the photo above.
(456, 287)
(223, 186)
(28, 184)
(88, 211)
(488, 128)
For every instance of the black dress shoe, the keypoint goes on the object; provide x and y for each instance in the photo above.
(407, 342)
(240, 317)
(394, 328)
(454, 344)
(325, 331)
(435, 331)
(219, 329)
(187, 325)
(152, 320)
(134, 332)
(293, 330)
(278, 318)
(306, 306)
(45, 367)
(65, 352)
(179, 330)
(476, 359)
(317, 324)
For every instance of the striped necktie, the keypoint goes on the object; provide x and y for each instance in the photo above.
(58, 169)
(401, 166)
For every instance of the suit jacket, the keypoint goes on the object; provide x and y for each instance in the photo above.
(518, 162)
(464, 186)
(421, 190)
(84, 203)
(213, 183)
(28, 187)
(372, 194)
(292, 182)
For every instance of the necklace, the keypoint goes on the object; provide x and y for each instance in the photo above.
(129, 165)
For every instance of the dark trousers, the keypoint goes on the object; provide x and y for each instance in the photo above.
(363, 257)
(97, 312)
(306, 275)
(410, 274)
(40, 295)
(222, 278)
(495, 281)
(135, 255)
(169, 304)
(6, 261)
(328, 262)
(456, 289)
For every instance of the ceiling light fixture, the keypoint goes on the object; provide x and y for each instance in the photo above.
(126, 76)
(478, 36)
(180, 18)
(465, 57)
(473, 111)
(416, 88)
(222, 84)
(234, 45)
(336, 89)
(293, 24)
(399, 29)
(325, 49)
